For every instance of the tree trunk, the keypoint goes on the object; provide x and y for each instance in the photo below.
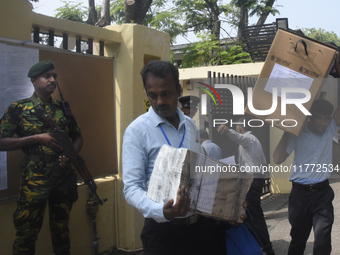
(243, 21)
(266, 12)
(214, 15)
(92, 19)
(135, 10)
(105, 18)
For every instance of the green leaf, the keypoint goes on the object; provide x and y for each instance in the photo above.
(72, 11)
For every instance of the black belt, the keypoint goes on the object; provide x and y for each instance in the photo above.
(312, 187)
(185, 221)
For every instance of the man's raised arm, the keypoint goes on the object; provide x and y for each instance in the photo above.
(280, 154)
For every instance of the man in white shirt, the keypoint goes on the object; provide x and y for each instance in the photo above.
(210, 149)
(169, 228)
(251, 158)
(310, 200)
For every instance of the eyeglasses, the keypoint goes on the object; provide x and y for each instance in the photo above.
(49, 75)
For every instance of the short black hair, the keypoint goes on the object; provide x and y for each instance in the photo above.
(160, 69)
(246, 125)
(204, 134)
(322, 106)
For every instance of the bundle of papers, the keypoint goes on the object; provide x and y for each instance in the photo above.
(216, 189)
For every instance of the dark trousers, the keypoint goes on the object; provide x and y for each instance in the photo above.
(34, 196)
(201, 238)
(309, 209)
(256, 218)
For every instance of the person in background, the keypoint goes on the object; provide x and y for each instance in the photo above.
(310, 200)
(189, 105)
(251, 158)
(210, 149)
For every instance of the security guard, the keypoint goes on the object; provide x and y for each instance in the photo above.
(39, 183)
(189, 105)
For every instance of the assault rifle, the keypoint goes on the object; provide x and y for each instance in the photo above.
(67, 145)
(70, 152)
(76, 160)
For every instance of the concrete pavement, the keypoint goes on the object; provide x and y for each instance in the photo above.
(275, 208)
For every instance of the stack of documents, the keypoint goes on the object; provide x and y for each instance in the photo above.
(216, 189)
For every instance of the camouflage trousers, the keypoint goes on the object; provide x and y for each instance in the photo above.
(36, 192)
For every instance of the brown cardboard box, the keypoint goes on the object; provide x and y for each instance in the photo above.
(306, 65)
(217, 190)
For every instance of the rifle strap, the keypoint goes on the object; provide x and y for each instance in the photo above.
(45, 116)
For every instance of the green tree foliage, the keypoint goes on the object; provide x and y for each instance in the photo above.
(118, 11)
(201, 15)
(72, 11)
(164, 21)
(243, 9)
(178, 17)
(322, 35)
(234, 54)
(210, 52)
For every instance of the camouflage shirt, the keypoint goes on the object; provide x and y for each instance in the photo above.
(21, 118)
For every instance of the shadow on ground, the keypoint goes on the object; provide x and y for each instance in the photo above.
(281, 247)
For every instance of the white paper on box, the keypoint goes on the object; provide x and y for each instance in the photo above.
(229, 160)
(165, 181)
(203, 190)
(278, 79)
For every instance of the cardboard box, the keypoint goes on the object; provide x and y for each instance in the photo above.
(293, 61)
(216, 189)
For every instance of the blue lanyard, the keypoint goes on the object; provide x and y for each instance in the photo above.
(166, 138)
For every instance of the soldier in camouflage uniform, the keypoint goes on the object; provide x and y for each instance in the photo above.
(40, 185)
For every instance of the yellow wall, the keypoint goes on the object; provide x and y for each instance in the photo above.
(14, 16)
(138, 43)
(131, 45)
(80, 224)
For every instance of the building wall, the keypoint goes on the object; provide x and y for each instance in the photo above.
(80, 224)
(139, 45)
(131, 46)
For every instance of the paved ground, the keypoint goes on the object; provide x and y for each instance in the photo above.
(275, 208)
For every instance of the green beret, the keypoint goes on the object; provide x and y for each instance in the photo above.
(40, 68)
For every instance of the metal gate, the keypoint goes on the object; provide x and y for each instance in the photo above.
(227, 146)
